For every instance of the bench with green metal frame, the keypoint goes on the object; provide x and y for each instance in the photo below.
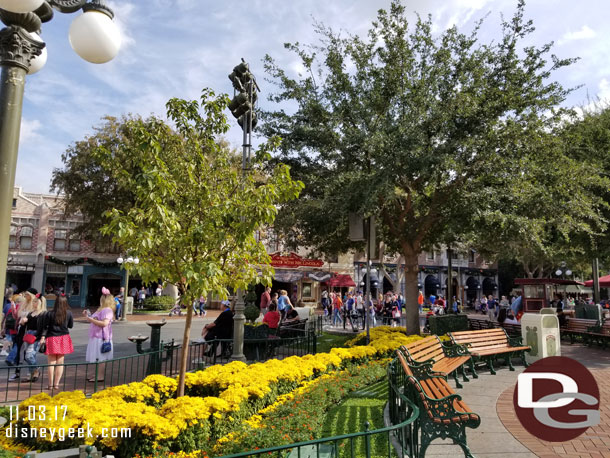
(444, 358)
(599, 333)
(487, 344)
(443, 414)
(579, 328)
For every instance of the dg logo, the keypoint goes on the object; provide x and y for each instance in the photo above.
(556, 399)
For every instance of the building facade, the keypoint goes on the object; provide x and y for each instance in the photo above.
(472, 275)
(46, 253)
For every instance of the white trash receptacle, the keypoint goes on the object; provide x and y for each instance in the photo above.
(541, 332)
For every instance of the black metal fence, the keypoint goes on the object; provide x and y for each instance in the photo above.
(400, 438)
(93, 377)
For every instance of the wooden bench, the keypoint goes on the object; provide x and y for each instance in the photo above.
(600, 334)
(294, 328)
(487, 344)
(443, 358)
(442, 412)
(578, 327)
(513, 330)
(480, 323)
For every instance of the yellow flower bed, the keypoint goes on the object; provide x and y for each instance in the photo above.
(147, 407)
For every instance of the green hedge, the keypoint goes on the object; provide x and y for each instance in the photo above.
(159, 303)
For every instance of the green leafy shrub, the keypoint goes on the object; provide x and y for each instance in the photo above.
(251, 313)
(159, 303)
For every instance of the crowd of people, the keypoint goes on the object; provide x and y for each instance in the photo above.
(276, 308)
(29, 328)
(352, 308)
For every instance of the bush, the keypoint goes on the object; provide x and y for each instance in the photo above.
(159, 303)
(251, 313)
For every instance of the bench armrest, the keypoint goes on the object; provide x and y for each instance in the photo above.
(423, 370)
(454, 350)
(443, 408)
(516, 341)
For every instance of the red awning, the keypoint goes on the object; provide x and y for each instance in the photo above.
(341, 281)
(604, 282)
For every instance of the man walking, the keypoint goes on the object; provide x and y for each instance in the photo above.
(265, 300)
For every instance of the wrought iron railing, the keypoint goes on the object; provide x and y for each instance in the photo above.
(166, 361)
(401, 436)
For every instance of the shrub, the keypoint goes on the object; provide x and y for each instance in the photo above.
(159, 303)
(252, 313)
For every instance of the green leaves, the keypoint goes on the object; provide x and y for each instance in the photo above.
(192, 220)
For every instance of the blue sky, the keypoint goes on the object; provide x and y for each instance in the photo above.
(174, 48)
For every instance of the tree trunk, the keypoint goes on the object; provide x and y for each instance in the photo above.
(185, 344)
(411, 293)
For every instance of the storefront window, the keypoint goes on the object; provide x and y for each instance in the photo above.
(59, 243)
(12, 241)
(307, 290)
(25, 238)
(75, 288)
(74, 243)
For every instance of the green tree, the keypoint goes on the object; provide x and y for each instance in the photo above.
(88, 181)
(88, 187)
(551, 214)
(416, 128)
(587, 140)
(193, 218)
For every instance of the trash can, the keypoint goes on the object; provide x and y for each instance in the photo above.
(541, 332)
(128, 305)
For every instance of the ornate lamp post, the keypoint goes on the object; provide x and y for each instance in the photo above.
(243, 106)
(92, 35)
(126, 263)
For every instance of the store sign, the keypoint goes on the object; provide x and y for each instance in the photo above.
(293, 260)
(288, 276)
(75, 270)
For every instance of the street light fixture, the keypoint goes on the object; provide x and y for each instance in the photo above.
(93, 36)
(242, 107)
(126, 264)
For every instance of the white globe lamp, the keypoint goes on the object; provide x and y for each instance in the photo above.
(568, 272)
(129, 259)
(558, 272)
(136, 260)
(94, 36)
(119, 260)
(20, 6)
(39, 61)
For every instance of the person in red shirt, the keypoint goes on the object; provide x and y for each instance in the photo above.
(265, 300)
(272, 317)
(337, 304)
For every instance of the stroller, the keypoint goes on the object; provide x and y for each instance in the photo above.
(176, 310)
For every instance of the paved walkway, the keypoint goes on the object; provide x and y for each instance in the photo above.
(501, 434)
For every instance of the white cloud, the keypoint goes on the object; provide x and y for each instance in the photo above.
(585, 33)
(29, 131)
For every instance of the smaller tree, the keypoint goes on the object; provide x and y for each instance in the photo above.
(194, 218)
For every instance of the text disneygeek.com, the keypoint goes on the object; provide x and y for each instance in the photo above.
(59, 433)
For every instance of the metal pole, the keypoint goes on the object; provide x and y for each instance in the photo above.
(449, 278)
(596, 280)
(125, 294)
(368, 281)
(17, 49)
(239, 318)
